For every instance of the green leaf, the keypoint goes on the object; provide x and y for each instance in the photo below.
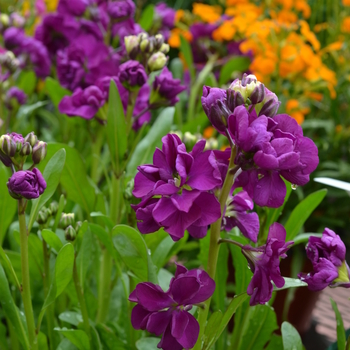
(42, 341)
(211, 330)
(116, 130)
(106, 219)
(6, 262)
(52, 239)
(146, 19)
(77, 337)
(55, 91)
(52, 174)
(304, 237)
(26, 81)
(109, 338)
(291, 338)
(8, 206)
(341, 339)
(261, 324)
(186, 50)
(147, 343)
(144, 150)
(62, 276)
(84, 256)
(219, 295)
(71, 317)
(160, 255)
(291, 283)
(74, 178)
(301, 213)
(275, 343)
(235, 64)
(27, 110)
(132, 249)
(11, 311)
(104, 237)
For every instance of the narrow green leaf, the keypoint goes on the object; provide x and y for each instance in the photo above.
(116, 130)
(75, 336)
(275, 343)
(106, 219)
(109, 338)
(11, 311)
(147, 343)
(211, 330)
(144, 150)
(186, 50)
(341, 339)
(304, 237)
(301, 213)
(26, 81)
(160, 254)
(71, 317)
(6, 262)
(52, 239)
(291, 283)
(8, 206)
(146, 19)
(84, 256)
(52, 175)
(105, 238)
(240, 64)
(132, 249)
(55, 91)
(291, 338)
(27, 110)
(219, 295)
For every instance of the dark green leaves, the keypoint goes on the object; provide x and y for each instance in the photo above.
(301, 213)
(52, 174)
(116, 130)
(146, 19)
(55, 91)
(291, 338)
(235, 64)
(52, 239)
(76, 336)
(186, 50)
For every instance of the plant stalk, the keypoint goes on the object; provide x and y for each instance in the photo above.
(214, 245)
(25, 291)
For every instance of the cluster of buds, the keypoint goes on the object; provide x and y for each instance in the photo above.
(9, 61)
(12, 20)
(150, 49)
(14, 149)
(46, 213)
(70, 226)
(219, 104)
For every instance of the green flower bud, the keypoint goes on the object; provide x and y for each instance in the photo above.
(164, 48)
(131, 43)
(78, 225)
(7, 145)
(66, 220)
(42, 217)
(147, 45)
(4, 19)
(53, 208)
(158, 41)
(31, 138)
(157, 61)
(70, 233)
(39, 152)
(189, 140)
(26, 149)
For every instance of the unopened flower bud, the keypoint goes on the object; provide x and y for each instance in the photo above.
(26, 149)
(4, 20)
(43, 215)
(269, 106)
(66, 220)
(247, 79)
(17, 20)
(258, 94)
(164, 48)
(211, 143)
(7, 145)
(31, 138)
(131, 43)
(70, 234)
(157, 61)
(53, 208)
(147, 45)
(158, 41)
(189, 140)
(142, 36)
(78, 225)
(234, 99)
(39, 152)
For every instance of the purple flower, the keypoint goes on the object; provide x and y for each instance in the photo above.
(214, 105)
(327, 255)
(167, 313)
(125, 28)
(236, 215)
(132, 74)
(264, 262)
(202, 30)
(27, 184)
(16, 94)
(72, 8)
(268, 148)
(83, 103)
(166, 89)
(176, 190)
(166, 15)
(13, 37)
(121, 9)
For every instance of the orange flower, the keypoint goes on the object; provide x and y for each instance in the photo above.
(174, 40)
(332, 47)
(298, 116)
(345, 26)
(321, 26)
(314, 95)
(208, 132)
(346, 2)
(236, 2)
(179, 15)
(309, 35)
(292, 104)
(207, 13)
(225, 32)
(303, 6)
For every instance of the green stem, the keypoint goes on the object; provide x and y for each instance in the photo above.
(26, 294)
(49, 311)
(214, 245)
(81, 299)
(13, 336)
(130, 110)
(96, 153)
(104, 287)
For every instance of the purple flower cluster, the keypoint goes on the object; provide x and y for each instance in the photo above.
(264, 262)
(167, 313)
(165, 19)
(14, 93)
(177, 190)
(327, 255)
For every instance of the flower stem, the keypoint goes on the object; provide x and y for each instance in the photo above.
(96, 152)
(26, 294)
(214, 244)
(81, 298)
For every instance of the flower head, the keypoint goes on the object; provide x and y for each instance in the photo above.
(264, 262)
(121, 9)
(176, 190)
(14, 93)
(327, 255)
(27, 184)
(132, 74)
(167, 313)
